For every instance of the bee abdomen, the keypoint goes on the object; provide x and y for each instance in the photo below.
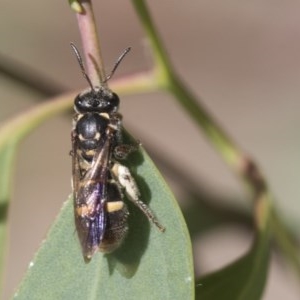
(116, 226)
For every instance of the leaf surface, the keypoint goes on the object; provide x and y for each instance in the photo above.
(149, 265)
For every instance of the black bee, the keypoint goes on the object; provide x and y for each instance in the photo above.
(98, 177)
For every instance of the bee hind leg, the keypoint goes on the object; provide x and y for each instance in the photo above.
(127, 182)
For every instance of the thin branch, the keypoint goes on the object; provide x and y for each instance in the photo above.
(90, 43)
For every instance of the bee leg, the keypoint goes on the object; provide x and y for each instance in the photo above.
(123, 150)
(123, 176)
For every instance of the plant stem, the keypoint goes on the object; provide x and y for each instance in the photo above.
(90, 43)
(240, 163)
(162, 64)
(11, 134)
(168, 80)
(286, 241)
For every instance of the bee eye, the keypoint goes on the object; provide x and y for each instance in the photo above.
(114, 102)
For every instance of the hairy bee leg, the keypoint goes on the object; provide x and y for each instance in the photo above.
(126, 181)
(123, 150)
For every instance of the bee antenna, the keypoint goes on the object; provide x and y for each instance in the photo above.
(117, 64)
(80, 62)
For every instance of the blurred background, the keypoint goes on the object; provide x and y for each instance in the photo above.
(241, 58)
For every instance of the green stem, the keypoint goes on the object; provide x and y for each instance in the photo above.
(167, 79)
(11, 134)
(286, 241)
(14, 131)
(222, 142)
(162, 64)
(144, 82)
(226, 147)
(6, 162)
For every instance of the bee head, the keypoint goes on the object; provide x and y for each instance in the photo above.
(97, 100)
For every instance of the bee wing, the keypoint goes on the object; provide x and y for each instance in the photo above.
(90, 201)
(75, 164)
(90, 218)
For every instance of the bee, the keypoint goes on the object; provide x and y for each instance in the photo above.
(99, 179)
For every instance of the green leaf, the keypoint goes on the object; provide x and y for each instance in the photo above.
(244, 279)
(149, 265)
